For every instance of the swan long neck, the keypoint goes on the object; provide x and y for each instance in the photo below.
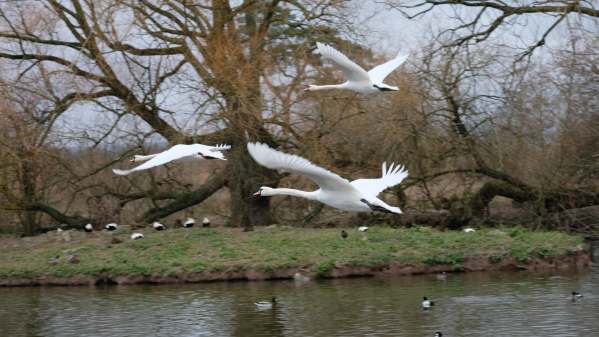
(138, 158)
(326, 87)
(294, 193)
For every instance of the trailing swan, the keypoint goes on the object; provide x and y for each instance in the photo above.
(180, 151)
(88, 228)
(358, 79)
(356, 196)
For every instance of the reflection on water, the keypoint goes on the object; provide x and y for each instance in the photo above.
(472, 304)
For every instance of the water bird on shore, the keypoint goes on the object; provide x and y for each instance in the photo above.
(137, 236)
(469, 230)
(357, 196)
(363, 228)
(158, 226)
(74, 259)
(426, 303)
(576, 295)
(344, 234)
(88, 228)
(206, 222)
(264, 305)
(438, 334)
(298, 277)
(179, 151)
(358, 79)
(55, 260)
(189, 223)
(111, 227)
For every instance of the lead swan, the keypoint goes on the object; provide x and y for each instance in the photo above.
(356, 196)
(180, 151)
(358, 79)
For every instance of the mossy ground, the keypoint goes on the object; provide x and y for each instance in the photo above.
(228, 249)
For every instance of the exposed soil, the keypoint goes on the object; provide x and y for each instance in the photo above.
(579, 261)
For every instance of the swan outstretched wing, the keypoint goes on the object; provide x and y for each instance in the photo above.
(380, 72)
(352, 71)
(275, 160)
(390, 177)
(176, 152)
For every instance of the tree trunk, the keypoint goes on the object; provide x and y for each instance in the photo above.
(246, 177)
(28, 191)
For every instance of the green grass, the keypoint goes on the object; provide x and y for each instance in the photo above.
(227, 249)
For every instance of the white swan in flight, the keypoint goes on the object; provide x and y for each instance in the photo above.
(180, 151)
(358, 79)
(356, 196)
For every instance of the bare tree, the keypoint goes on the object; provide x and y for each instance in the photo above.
(133, 57)
(483, 18)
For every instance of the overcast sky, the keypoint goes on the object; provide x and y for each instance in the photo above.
(392, 31)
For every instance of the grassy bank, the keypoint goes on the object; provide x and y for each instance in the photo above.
(266, 249)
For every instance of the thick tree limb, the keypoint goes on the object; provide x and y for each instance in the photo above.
(186, 200)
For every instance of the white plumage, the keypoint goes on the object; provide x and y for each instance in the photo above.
(158, 226)
(334, 191)
(137, 236)
(111, 227)
(88, 228)
(469, 230)
(180, 151)
(265, 305)
(189, 223)
(426, 303)
(358, 79)
(206, 222)
(363, 228)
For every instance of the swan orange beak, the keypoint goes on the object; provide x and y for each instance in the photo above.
(257, 194)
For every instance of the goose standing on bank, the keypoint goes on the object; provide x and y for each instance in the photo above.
(111, 227)
(189, 223)
(358, 79)
(158, 226)
(137, 236)
(356, 196)
(180, 151)
(88, 228)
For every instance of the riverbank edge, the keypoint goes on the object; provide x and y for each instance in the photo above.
(577, 261)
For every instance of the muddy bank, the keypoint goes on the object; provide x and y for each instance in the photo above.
(578, 261)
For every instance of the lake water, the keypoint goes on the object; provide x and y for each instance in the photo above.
(469, 304)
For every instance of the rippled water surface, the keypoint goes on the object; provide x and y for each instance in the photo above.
(471, 304)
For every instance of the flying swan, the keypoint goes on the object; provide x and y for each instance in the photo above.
(356, 196)
(358, 79)
(180, 151)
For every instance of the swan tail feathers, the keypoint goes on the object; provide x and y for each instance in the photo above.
(220, 147)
